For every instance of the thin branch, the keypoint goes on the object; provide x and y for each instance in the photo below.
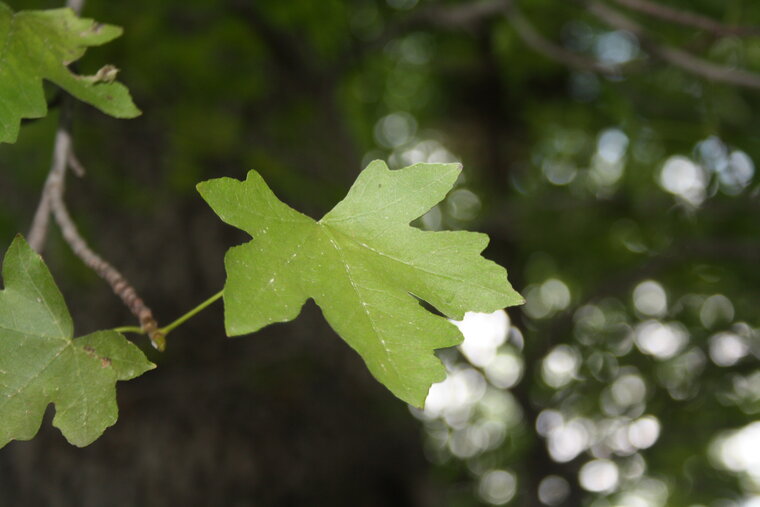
(677, 57)
(688, 18)
(63, 158)
(39, 228)
(116, 280)
(706, 69)
(75, 164)
(52, 202)
(540, 44)
(470, 15)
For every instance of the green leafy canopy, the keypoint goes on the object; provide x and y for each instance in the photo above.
(364, 265)
(41, 364)
(39, 45)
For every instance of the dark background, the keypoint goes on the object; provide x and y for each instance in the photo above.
(566, 126)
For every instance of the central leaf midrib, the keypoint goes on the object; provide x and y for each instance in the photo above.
(327, 231)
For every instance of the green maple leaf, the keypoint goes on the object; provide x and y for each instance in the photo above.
(41, 364)
(364, 265)
(39, 45)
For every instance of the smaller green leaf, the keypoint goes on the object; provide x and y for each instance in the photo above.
(39, 45)
(41, 364)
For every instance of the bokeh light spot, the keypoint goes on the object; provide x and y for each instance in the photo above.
(660, 340)
(650, 299)
(497, 487)
(463, 204)
(560, 366)
(505, 370)
(682, 177)
(616, 48)
(553, 490)
(599, 475)
(483, 334)
(644, 432)
(395, 129)
(716, 310)
(726, 349)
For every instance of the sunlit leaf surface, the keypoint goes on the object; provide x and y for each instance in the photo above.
(364, 265)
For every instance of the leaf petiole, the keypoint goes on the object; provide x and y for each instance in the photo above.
(181, 320)
(167, 329)
(129, 329)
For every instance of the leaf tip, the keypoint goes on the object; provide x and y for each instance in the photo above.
(20, 243)
(204, 187)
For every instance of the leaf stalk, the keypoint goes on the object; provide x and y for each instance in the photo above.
(178, 322)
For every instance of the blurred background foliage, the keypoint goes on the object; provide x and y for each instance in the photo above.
(609, 150)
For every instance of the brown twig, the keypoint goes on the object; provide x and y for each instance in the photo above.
(116, 280)
(688, 18)
(38, 231)
(677, 57)
(52, 202)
